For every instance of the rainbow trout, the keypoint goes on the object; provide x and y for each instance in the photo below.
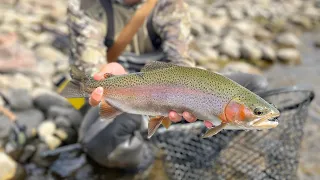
(161, 87)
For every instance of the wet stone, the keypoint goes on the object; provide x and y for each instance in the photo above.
(62, 121)
(44, 99)
(42, 161)
(4, 127)
(19, 99)
(72, 114)
(66, 165)
(28, 151)
(30, 118)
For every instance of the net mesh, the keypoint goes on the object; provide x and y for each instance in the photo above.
(239, 154)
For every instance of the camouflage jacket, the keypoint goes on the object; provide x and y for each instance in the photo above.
(87, 22)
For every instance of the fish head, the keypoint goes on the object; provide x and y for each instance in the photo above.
(250, 112)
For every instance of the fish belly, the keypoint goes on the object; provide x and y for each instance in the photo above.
(160, 99)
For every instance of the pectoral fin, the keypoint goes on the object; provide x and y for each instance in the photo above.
(107, 112)
(213, 131)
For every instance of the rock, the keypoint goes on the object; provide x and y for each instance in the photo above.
(19, 99)
(44, 99)
(17, 81)
(61, 43)
(5, 123)
(302, 21)
(241, 67)
(45, 68)
(85, 172)
(67, 135)
(39, 160)
(46, 128)
(288, 40)
(197, 29)
(30, 118)
(62, 121)
(49, 53)
(28, 151)
(52, 141)
(8, 166)
(211, 54)
(244, 27)
(236, 14)
(268, 53)
(66, 165)
(230, 47)
(250, 51)
(218, 12)
(289, 56)
(62, 66)
(262, 34)
(72, 114)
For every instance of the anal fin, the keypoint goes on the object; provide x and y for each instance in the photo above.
(107, 112)
(155, 122)
(213, 131)
(166, 122)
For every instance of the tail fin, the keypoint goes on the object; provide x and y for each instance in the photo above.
(75, 87)
(76, 73)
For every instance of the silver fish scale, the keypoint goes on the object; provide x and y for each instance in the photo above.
(237, 154)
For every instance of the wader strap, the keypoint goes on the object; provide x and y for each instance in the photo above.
(109, 39)
(154, 37)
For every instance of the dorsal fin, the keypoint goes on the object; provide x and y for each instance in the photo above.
(154, 65)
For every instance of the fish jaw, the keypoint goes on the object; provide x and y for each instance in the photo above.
(266, 121)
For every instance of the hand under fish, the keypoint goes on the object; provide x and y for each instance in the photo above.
(163, 87)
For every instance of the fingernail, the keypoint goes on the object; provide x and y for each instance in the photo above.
(99, 90)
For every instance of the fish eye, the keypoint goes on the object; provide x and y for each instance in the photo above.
(258, 111)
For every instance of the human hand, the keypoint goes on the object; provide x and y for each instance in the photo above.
(117, 69)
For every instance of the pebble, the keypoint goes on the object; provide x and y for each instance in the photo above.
(4, 124)
(241, 67)
(39, 160)
(44, 99)
(65, 166)
(288, 40)
(52, 141)
(49, 53)
(62, 121)
(8, 166)
(72, 114)
(268, 53)
(46, 128)
(262, 34)
(250, 51)
(31, 118)
(230, 47)
(289, 56)
(28, 151)
(19, 99)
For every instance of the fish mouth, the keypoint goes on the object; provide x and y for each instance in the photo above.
(266, 122)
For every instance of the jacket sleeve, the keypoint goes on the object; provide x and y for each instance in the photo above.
(171, 21)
